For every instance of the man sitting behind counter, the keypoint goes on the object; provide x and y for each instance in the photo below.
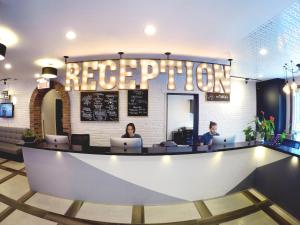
(207, 138)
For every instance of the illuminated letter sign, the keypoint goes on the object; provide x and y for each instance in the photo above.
(119, 74)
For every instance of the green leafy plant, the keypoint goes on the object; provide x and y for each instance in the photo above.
(250, 134)
(265, 126)
(282, 137)
(28, 133)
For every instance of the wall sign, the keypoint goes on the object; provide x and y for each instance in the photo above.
(4, 95)
(118, 74)
(99, 106)
(218, 97)
(137, 102)
(43, 84)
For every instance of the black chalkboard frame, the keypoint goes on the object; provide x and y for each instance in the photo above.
(106, 92)
(144, 90)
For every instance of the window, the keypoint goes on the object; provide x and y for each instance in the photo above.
(296, 113)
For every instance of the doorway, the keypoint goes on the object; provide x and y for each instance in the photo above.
(182, 118)
(36, 101)
(51, 115)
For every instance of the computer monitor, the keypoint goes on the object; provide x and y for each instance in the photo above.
(6, 110)
(56, 139)
(126, 142)
(217, 140)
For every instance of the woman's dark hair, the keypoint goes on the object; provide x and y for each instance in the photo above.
(131, 125)
(211, 124)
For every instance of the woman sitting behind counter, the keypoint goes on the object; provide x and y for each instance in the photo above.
(207, 138)
(130, 132)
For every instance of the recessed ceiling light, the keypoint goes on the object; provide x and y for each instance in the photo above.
(263, 51)
(52, 62)
(7, 66)
(71, 35)
(150, 30)
(8, 37)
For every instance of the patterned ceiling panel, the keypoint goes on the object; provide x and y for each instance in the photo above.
(280, 36)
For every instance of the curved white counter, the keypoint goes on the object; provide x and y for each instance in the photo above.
(142, 179)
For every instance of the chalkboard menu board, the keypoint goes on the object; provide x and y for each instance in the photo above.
(99, 106)
(137, 102)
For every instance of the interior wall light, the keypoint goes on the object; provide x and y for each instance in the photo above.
(293, 69)
(2, 51)
(49, 72)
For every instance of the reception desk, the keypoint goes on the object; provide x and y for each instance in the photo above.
(157, 175)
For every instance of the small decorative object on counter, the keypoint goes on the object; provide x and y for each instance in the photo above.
(29, 136)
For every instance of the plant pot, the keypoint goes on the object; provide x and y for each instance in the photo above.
(29, 139)
(260, 137)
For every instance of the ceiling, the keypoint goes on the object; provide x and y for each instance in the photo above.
(280, 36)
(218, 29)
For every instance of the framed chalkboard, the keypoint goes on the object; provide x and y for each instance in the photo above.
(99, 106)
(137, 103)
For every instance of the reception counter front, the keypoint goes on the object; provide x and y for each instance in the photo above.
(157, 175)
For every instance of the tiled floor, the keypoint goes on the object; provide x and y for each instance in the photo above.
(21, 218)
(285, 215)
(2, 160)
(171, 213)
(49, 203)
(14, 165)
(257, 194)
(3, 207)
(17, 186)
(258, 218)
(228, 203)
(4, 173)
(105, 213)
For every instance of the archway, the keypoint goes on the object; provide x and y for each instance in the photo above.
(36, 108)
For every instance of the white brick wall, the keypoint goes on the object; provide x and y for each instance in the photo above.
(232, 117)
(22, 90)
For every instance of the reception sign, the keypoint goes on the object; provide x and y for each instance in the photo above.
(112, 74)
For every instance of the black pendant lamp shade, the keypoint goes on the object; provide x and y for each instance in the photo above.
(49, 72)
(2, 51)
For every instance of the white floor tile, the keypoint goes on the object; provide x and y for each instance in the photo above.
(171, 213)
(258, 218)
(4, 173)
(3, 207)
(15, 187)
(14, 165)
(2, 160)
(227, 203)
(285, 215)
(49, 203)
(21, 218)
(105, 213)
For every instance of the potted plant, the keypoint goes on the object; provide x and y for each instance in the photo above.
(250, 134)
(265, 127)
(29, 135)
